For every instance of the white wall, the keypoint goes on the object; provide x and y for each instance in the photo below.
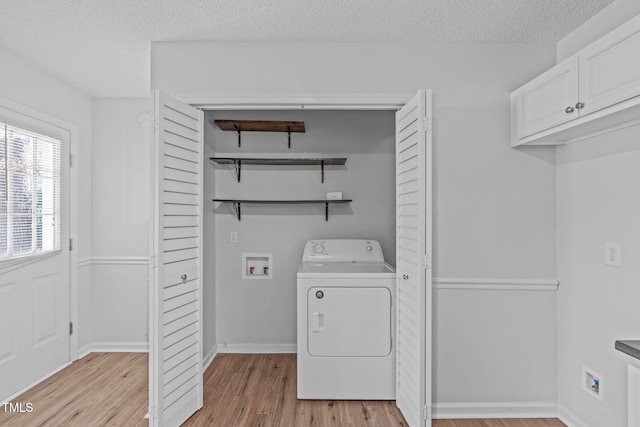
(113, 211)
(253, 311)
(493, 219)
(494, 206)
(612, 16)
(120, 229)
(597, 304)
(597, 185)
(24, 83)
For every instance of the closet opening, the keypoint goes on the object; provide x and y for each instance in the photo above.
(359, 148)
(259, 207)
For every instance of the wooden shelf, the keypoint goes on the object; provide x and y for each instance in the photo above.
(260, 125)
(240, 126)
(239, 161)
(238, 202)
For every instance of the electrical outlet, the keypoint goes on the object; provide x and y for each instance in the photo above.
(612, 255)
(233, 237)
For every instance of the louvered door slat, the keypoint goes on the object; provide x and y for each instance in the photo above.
(173, 364)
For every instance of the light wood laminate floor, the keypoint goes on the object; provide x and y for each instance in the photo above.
(110, 389)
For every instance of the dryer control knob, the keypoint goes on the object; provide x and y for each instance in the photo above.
(369, 248)
(318, 248)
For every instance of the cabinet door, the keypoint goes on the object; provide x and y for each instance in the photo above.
(548, 100)
(610, 68)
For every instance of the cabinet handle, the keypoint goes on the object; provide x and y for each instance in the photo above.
(569, 110)
(405, 276)
(579, 105)
(183, 277)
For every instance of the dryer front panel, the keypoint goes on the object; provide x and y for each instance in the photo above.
(349, 322)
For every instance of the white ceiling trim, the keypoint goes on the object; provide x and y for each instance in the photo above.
(297, 101)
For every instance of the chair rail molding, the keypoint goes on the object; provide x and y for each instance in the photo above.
(114, 260)
(482, 284)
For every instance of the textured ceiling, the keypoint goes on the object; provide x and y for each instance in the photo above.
(102, 46)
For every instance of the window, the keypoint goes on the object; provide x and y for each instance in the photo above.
(29, 192)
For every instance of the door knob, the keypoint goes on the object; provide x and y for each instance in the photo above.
(183, 277)
(569, 110)
(405, 276)
(579, 105)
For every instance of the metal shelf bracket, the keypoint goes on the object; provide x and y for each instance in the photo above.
(238, 166)
(239, 132)
(236, 210)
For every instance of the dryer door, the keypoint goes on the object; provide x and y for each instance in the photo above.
(349, 322)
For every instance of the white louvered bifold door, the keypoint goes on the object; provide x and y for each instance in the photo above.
(413, 260)
(175, 337)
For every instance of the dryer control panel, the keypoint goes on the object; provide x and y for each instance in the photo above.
(343, 250)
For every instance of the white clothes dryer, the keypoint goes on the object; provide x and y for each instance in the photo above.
(346, 321)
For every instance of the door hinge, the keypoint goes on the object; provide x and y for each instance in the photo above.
(70, 160)
(426, 412)
(152, 260)
(70, 244)
(426, 124)
(70, 328)
(152, 413)
(426, 261)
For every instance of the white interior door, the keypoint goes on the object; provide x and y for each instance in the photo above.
(175, 337)
(413, 263)
(34, 251)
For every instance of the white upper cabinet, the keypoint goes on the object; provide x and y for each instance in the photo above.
(595, 90)
(610, 69)
(548, 100)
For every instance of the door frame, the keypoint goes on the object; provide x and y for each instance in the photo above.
(391, 101)
(11, 109)
(296, 101)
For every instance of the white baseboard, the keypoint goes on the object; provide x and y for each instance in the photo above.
(208, 358)
(495, 410)
(569, 418)
(113, 347)
(35, 383)
(256, 348)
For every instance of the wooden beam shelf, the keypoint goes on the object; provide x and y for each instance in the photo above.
(238, 202)
(239, 161)
(240, 126)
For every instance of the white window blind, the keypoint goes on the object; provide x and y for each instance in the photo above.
(29, 192)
